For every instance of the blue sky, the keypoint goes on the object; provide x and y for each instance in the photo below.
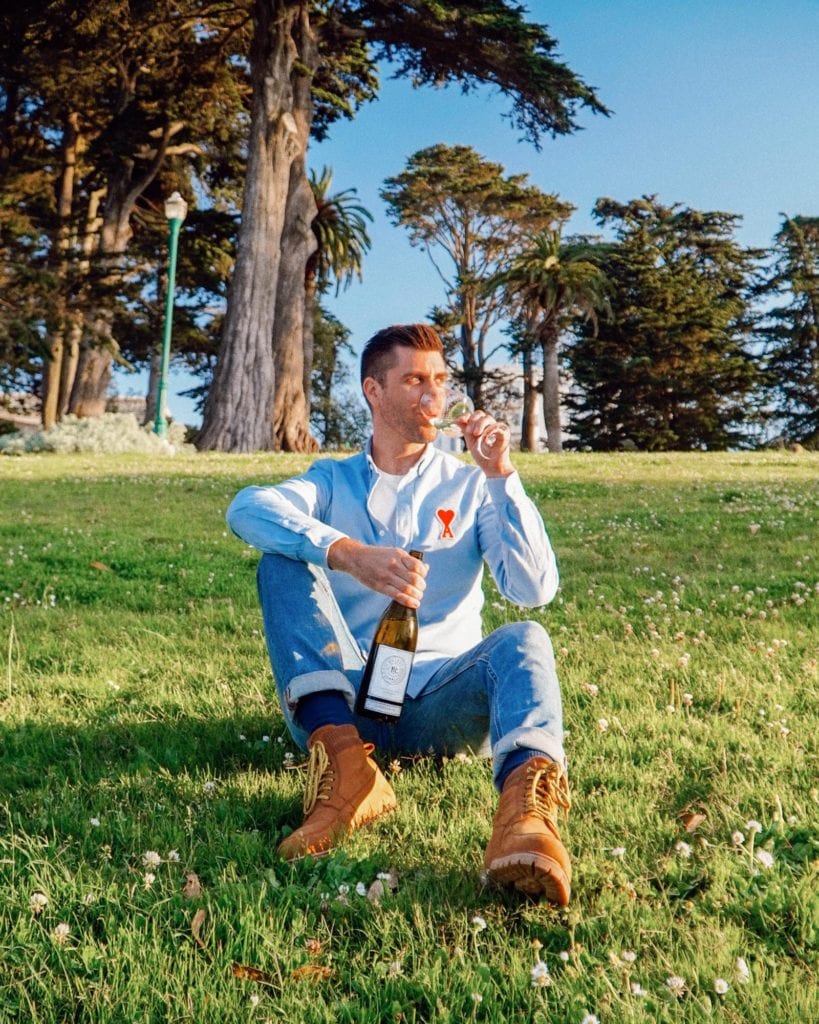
(715, 106)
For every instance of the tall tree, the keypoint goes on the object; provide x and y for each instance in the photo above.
(297, 44)
(337, 414)
(671, 366)
(553, 283)
(791, 329)
(458, 206)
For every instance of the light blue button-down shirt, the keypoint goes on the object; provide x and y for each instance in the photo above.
(445, 508)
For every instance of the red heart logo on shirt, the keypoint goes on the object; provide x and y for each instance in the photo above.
(446, 515)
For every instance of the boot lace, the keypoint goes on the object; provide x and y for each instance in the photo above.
(547, 788)
(320, 778)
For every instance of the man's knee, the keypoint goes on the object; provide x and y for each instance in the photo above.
(528, 637)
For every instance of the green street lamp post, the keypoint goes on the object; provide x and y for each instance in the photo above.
(175, 210)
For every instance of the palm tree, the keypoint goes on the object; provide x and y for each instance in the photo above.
(340, 230)
(551, 283)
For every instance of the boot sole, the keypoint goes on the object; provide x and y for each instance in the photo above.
(532, 874)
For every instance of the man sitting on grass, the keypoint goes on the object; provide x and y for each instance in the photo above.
(336, 543)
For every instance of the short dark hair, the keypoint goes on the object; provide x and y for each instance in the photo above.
(379, 352)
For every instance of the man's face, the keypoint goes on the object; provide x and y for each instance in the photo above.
(396, 404)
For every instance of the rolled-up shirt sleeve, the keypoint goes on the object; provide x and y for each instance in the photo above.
(515, 544)
(286, 519)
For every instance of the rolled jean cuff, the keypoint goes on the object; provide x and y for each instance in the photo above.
(318, 682)
(531, 738)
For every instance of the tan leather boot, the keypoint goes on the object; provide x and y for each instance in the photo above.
(525, 849)
(344, 790)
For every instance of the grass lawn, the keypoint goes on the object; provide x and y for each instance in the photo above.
(146, 777)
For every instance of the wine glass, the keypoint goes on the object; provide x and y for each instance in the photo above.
(454, 404)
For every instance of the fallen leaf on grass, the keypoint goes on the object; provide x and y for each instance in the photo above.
(376, 892)
(251, 974)
(101, 566)
(312, 972)
(192, 887)
(196, 926)
(692, 821)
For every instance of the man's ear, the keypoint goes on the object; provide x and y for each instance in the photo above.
(371, 389)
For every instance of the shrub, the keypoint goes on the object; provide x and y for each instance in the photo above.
(113, 432)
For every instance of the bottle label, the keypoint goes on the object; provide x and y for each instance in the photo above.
(390, 674)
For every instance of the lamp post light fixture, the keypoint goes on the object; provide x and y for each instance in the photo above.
(175, 210)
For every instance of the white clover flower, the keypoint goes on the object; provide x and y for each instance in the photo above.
(564, 955)
(737, 838)
(361, 889)
(94, 822)
(688, 699)
(765, 858)
(151, 859)
(395, 969)
(602, 724)
(38, 901)
(209, 787)
(540, 975)
(477, 997)
(265, 739)
(743, 971)
(618, 851)
(149, 878)
(61, 934)
(683, 849)
(676, 985)
(721, 986)
(478, 923)
(628, 955)
(173, 856)
(255, 1000)
(753, 825)
(637, 989)
(590, 1018)
(591, 689)
(343, 889)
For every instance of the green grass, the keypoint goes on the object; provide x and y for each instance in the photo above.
(137, 714)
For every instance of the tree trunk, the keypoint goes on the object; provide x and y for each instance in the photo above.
(528, 425)
(238, 415)
(551, 392)
(292, 335)
(53, 370)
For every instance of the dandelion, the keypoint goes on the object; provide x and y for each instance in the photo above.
(478, 923)
(676, 985)
(149, 878)
(151, 859)
(38, 901)
(721, 986)
(737, 838)
(753, 825)
(765, 858)
(61, 934)
(618, 851)
(540, 975)
(173, 856)
(94, 822)
(602, 724)
(683, 849)
(743, 971)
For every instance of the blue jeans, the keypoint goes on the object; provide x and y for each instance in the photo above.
(500, 696)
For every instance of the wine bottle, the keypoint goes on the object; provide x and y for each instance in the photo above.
(386, 674)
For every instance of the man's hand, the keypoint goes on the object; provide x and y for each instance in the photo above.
(388, 571)
(488, 442)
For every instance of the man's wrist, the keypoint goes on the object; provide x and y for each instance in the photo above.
(339, 552)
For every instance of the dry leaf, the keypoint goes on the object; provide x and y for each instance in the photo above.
(192, 887)
(251, 974)
(101, 566)
(313, 947)
(376, 892)
(312, 972)
(196, 926)
(692, 821)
